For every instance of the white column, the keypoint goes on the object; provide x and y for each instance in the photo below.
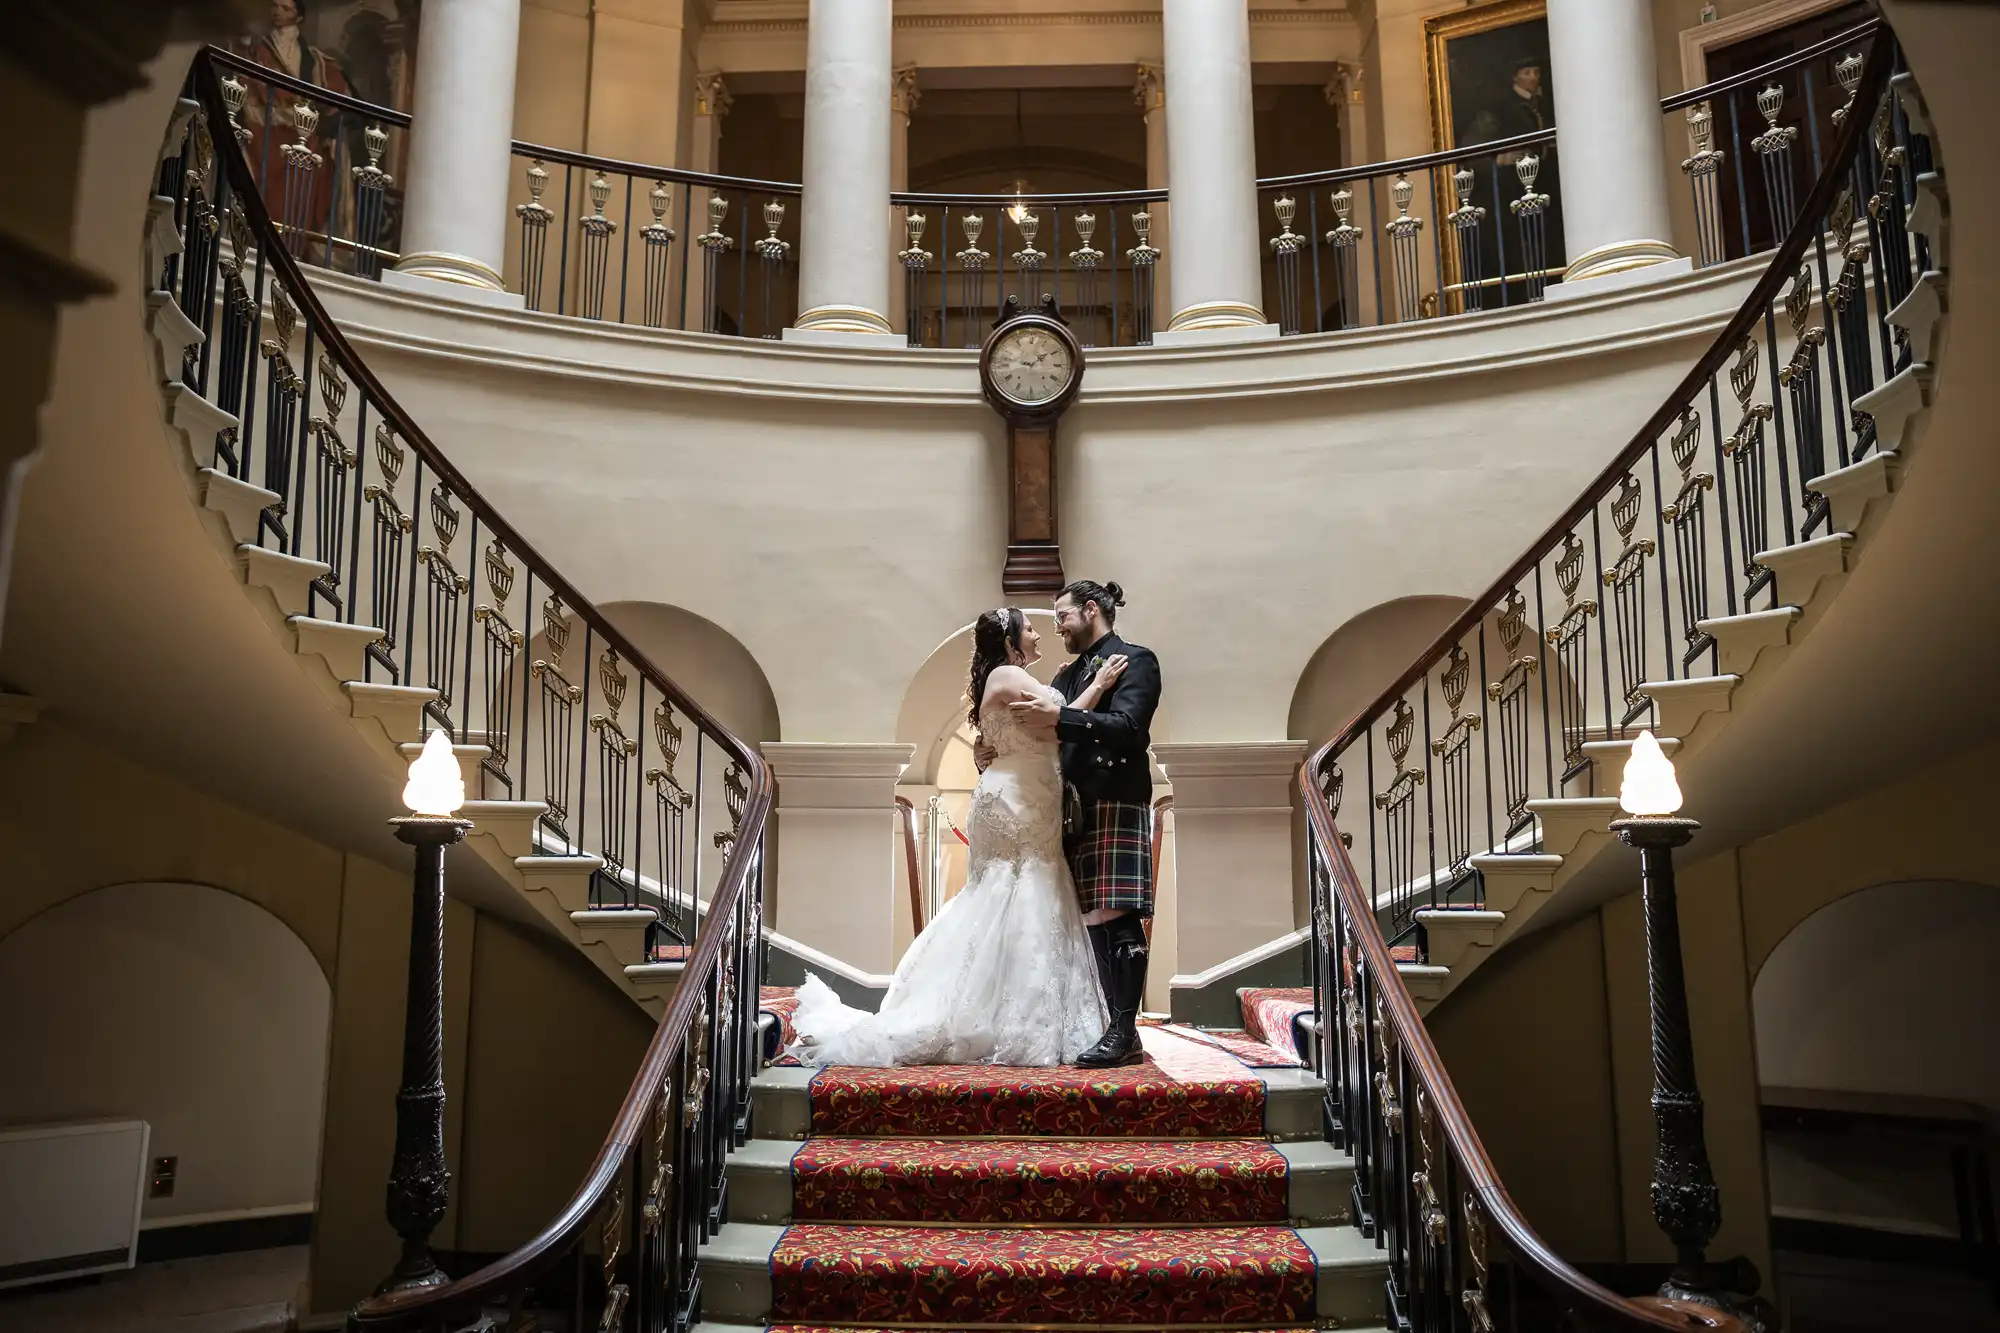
(903, 99)
(837, 848)
(1608, 140)
(1232, 846)
(843, 246)
(455, 207)
(1212, 172)
(1149, 90)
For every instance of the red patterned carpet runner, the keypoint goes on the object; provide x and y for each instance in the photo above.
(1138, 1198)
(1232, 1276)
(1028, 1182)
(1270, 1014)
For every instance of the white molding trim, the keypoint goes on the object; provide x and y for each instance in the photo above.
(1180, 760)
(1691, 307)
(868, 761)
(827, 962)
(1262, 953)
(227, 1215)
(1698, 41)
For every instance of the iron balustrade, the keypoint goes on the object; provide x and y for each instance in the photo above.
(1101, 262)
(1494, 715)
(406, 559)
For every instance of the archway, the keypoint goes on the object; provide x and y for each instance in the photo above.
(1877, 1069)
(188, 1007)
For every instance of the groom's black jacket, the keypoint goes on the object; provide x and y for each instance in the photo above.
(1104, 748)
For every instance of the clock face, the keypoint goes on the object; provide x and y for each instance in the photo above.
(1030, 366)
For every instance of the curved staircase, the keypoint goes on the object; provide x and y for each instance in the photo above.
(1473, 905)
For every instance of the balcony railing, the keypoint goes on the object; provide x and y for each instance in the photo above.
(412, 569)
(1688, 522)
(1471, 229)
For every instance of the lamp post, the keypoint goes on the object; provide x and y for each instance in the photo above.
(419, 1183)
(1686, 1203)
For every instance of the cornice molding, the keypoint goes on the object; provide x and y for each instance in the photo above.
(1546, 334)
(777, 23)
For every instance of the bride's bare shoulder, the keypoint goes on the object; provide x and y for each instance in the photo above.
(1008, 683)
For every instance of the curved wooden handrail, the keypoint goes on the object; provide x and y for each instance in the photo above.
(312, 92)
(1825, 46)
(620, 167)
(909, 815)
(1357, 907)
(1783, 264)
(556, 1239)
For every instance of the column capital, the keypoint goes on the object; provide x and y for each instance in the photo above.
(1345, 85)
(828, 775)
(904, 94)
(1149, 87)
(711, 94)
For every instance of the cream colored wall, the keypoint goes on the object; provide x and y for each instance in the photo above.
(184, 1006)
(850, 516)
(539, 1047)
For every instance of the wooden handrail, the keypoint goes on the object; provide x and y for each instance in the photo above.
(539, 1255)
(909, 815)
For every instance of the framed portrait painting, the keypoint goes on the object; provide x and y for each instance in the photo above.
(1490, 80)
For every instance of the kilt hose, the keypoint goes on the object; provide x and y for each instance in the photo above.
(1112, 861)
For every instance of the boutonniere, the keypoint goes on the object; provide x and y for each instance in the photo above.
(1095, 663)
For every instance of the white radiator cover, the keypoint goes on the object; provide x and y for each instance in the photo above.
(70, 1197)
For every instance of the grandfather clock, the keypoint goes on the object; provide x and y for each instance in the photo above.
(1029, 370)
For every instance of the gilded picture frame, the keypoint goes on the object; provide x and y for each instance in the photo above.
(1477, 94)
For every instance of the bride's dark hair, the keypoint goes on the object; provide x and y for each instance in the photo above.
(994, 635)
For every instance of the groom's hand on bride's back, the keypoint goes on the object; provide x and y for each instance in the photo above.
(983, 754)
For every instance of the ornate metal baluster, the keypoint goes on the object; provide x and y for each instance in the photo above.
(1085, 260)
(1688, 516)
(447, 593)
(503, 644)
(535, 217)
(1403, 231)
(1702, 167)
(612, 1241)
(371, 183)
(1509, 694)
(1626, 578)
(916, 264)
(1028, 260)
(1571, 642)
(670, 806)
(1466, 221)
(734, 794)
(1774, 152)
(1454, 752)
(595, 245)
(1745, 450)
(392, 527)
(614, 754)
(1144, 256)
(333, 462)
(559, 701)
(1433, 1224)
(972, 273)
(713, 242)
(1333, 786)
(1285, 250)
(771, 256)
(200, 180)
(1345, 238)
(1801, 378)
(302, 164)
(1475, 1296)
(239, 319)
(657, 242)
(1392, 1223)
(1398, 802)
(1531, 218)
(283, 391)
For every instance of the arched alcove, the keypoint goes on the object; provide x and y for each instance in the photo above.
(706, 660)
(1360, 659)
(185, 1006)
(1875, 1061)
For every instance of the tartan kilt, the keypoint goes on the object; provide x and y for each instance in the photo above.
(1112, 862)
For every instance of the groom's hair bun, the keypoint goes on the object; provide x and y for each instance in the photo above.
(1108, 596)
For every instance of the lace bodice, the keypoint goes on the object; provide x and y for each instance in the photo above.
(1017, 808)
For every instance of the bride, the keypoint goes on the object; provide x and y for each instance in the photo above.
(1005, 974)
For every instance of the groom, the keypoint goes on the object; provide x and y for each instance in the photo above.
(1104, 756)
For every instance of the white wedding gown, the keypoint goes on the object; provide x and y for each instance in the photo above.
(1005, 974)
